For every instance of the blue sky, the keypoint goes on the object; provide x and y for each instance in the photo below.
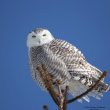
(84, 23)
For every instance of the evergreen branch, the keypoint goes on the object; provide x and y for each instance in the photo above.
(89, 90)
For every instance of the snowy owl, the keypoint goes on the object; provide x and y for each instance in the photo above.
(64, 62)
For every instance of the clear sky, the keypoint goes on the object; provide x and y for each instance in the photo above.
(84, 23)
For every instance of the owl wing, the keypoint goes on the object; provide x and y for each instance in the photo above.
(69, 53)
(75, 61)
(83, 74)
(65, 49)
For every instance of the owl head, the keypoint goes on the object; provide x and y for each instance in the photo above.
(38, 37)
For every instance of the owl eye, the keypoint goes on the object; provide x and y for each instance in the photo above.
(44, 34)
(33, 36)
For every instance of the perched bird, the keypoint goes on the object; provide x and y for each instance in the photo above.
(64, 62)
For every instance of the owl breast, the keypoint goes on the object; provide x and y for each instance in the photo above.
(56, 68)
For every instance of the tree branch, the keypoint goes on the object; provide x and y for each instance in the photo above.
(48, 82)
(60, 95)
(60, 98)
(89, 90)
(65, 98)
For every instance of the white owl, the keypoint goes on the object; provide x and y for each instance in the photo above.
(64, 62)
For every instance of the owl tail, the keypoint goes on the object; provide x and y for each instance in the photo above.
(76, 89)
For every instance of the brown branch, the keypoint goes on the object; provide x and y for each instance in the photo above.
(89, 90)
(65, 98)
(60, 95)
(60, 98)
(48, 82)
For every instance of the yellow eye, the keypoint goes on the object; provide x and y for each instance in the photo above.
(44, 34)
(33, 36)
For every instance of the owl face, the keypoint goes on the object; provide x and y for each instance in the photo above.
(39, 37)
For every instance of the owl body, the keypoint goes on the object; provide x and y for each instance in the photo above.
(63, 62)
(42, 55)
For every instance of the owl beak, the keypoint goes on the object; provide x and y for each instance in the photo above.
(39, 41)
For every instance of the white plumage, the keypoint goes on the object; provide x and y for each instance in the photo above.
(64, 62)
